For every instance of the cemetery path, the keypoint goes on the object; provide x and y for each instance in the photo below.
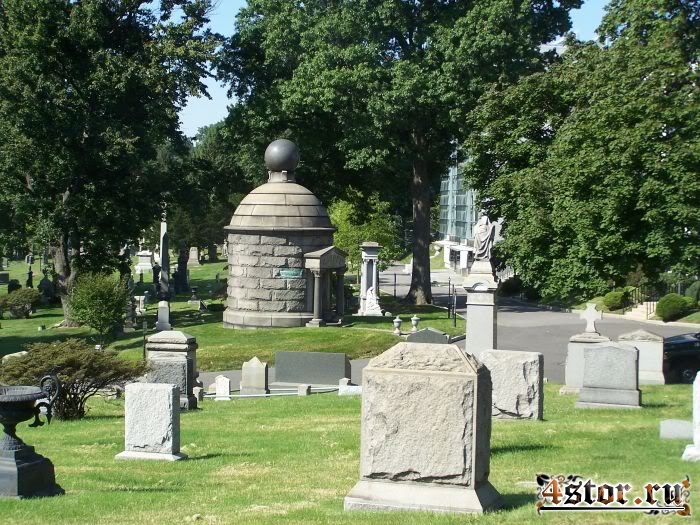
(521, 325)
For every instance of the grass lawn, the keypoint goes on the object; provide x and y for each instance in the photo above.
(292, 460)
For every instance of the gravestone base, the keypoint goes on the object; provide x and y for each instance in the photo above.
(26, 474)
(691, 453)
(676, 429)
(128, 454)
(601, 397)
(315, 323)
(392, 496)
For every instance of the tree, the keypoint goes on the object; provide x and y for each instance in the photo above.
(593, 163)
(99, 301)
(376, 91)
(366, 219)
(89, 90)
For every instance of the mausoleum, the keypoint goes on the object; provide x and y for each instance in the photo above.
(283, 268)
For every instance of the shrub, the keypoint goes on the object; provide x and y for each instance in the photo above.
(511, 286)
(82, 370)
(99, 301)
(693, 291)
(21, 302)
(13, 285)
(672, 306)
(616, 299)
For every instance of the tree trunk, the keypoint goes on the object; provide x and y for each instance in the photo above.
(65, 277)
(420, 291)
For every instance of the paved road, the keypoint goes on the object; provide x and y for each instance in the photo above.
(521, 326)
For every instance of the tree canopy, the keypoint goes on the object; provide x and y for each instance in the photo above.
(593, 163)
(376, 92)
(89, 90)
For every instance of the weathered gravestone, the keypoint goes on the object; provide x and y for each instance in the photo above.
(573, 372)
(429, 335)
(152, 422)
(4, 277)
(517, 381)
(651, 355)
(222, 388)
(163, 322)
(315, 368)
(346, 388)
(692, 452)
(172, 357)
(193, 259)
(610, 378)
(425, 432)
(254, 378)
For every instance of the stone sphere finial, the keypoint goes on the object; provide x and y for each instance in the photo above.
(282, 155)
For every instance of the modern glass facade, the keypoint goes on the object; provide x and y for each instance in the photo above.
(458, 208)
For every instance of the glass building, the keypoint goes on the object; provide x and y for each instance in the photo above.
(458, 208)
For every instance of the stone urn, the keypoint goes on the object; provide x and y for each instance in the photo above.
(23, 472)
(397, 325)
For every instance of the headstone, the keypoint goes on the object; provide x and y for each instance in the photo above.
(346, 388)
(140, 304)
(152, 421)
(481, 286)
(46, 288)
(651, 355)
(517, 379)
(692, 452)
(429, 335)
(425, 432)
(316, 368)
(610, 377)
(30, 278)
(369, 279)
(222, 388)
(172, 358)
(304, 390)
(4, 277)
(145, 262)
(198, 392)
(163, 322)
(180, 275)
(676, 429)
(254, 378)
(193, 260)
(573, 371)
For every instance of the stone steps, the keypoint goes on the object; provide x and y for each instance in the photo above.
(639, 312)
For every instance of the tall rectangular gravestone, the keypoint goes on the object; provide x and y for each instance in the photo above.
(425, 432)
(171, 356)
(152, 422)
(254, 378)
(651, 355)
(610, 378)
(517, 379)
(222, 388)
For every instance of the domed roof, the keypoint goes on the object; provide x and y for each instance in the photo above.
(280, 206)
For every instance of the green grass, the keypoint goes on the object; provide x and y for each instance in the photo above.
(692, 318)
(292, 460)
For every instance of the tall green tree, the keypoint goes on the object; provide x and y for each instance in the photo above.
(593, 164)
(88, 91)
(376, 91)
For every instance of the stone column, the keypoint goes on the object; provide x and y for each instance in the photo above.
(481, 308)
(340, 293)
(318, 301)
(172, 358)
(370, 274)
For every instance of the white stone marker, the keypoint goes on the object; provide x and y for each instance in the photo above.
(304, 390)
(482, 311)
(223, 388)
(651, 355)
(198, 393)
(254, 378)
(346, 388)
(152, 422)
(425, 432)
(517, 379)
(163, 322)
(692, 452)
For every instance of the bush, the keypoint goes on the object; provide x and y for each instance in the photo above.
(673, 306)
(20, 302)
(13, 285)
(82, 370)
(616, 299)
(99, 301)
(693, 291)
(511, 286)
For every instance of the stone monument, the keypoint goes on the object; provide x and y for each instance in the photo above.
(222, 388)
(172, 358)
(369, 279)
(425, 432)
(163, 322)
(692, 452)
(610, 377)
(193, 258)
(145, 262)
(152, 422)
(254, 378)
(651, 355)
(517, 379)
(481, 286)
(281, 254)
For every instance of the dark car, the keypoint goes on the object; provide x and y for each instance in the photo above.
(682, 357)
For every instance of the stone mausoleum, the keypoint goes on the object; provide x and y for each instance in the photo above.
(283, 268)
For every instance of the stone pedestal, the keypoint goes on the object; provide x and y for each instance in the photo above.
(254, 378)
(193, 260)
(692, 452)
(152, 422)
(172, 356)
(610, 378)
(145, 262)
(426, 430)
(163, 322)
(222, 386)
(481, 308)
(369, 279)
(517, 379)
(573, 371)
(651, 355)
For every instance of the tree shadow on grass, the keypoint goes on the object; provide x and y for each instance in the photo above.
(521, 448)
(515, 501)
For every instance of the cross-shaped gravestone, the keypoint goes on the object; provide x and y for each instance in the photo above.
(591, 315)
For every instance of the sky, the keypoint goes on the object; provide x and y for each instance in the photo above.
(201, 112)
